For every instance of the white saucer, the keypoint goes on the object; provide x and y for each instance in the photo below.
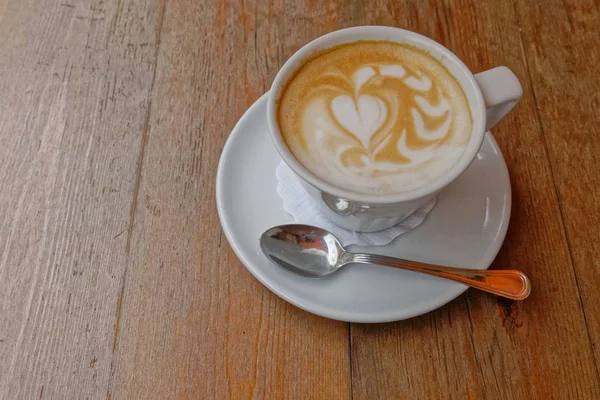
(466, 228)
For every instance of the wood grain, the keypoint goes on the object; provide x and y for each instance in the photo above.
(116, 281)
(564, 65)
(74, 84)
(194, 323)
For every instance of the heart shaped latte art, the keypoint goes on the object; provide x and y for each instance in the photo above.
(375, 117)
(363, 118)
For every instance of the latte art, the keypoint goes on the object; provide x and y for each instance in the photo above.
(375, 117)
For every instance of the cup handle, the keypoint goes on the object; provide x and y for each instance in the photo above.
(501, 90)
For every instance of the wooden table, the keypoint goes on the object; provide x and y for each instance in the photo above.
(117, 282)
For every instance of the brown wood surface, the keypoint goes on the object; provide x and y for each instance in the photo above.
(117, 282)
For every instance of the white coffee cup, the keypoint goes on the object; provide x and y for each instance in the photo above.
(491, 95)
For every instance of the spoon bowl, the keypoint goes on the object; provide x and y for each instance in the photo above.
(303, 249)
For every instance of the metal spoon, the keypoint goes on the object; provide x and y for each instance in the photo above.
(314, 252)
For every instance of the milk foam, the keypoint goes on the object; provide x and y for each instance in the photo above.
(375, 117)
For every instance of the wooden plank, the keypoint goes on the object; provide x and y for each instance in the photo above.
(194, 323)
(479, 346)
(562, 47)
(74, 84)
(96, 182)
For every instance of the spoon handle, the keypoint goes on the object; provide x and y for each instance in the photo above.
(506, 283)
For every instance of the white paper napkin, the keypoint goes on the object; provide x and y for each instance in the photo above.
(301, 206)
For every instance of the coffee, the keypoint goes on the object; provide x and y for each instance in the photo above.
(375, 117)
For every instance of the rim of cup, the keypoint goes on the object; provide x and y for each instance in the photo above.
(380, 33)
